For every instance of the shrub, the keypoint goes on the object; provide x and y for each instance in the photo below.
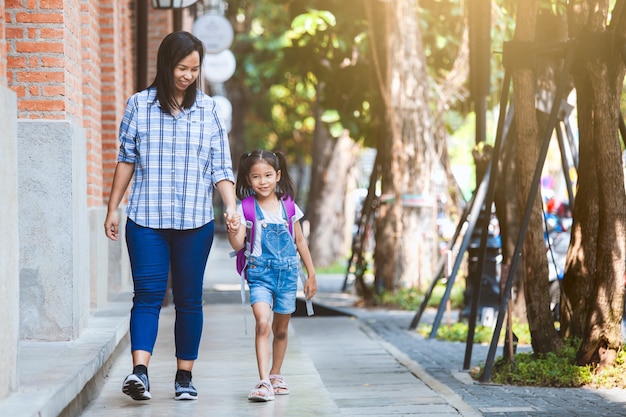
(412, 298)
(457, 332)
(557, 369)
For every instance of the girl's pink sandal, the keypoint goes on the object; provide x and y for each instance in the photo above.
(262, 392)
(279, 385)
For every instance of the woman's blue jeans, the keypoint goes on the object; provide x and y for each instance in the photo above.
(152, 253)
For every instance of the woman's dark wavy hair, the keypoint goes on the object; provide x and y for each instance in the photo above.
(173, 49)
(285, 186)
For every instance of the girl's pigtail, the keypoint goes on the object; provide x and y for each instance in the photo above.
(285, 184)
(242, 189)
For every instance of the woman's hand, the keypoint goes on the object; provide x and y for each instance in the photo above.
(111, 225)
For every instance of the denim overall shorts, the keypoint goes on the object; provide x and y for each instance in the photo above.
(273, 276)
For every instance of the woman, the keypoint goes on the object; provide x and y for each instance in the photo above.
(174, 146)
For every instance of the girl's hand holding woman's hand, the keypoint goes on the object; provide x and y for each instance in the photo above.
(233, 222)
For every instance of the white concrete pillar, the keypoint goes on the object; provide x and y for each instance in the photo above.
(9, 243)
(53, 230)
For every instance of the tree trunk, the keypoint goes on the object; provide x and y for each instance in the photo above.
(507, 211)
(332, 160)
(535, 263)
(240, 97)
(581, 256)
(599, 77)
(450, 91)
(406, 225)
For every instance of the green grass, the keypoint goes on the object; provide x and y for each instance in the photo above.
(336, 268)
(550, 370)
(411, 298)
(457, 332)
(527, 369)
(557, 369)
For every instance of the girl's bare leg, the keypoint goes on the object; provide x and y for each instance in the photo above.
(280, 328)
(263, 330)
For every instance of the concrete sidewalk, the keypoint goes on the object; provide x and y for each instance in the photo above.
(223, 374)
(334, 366)
(344, 361)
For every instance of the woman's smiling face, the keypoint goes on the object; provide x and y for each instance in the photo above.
(186, 72)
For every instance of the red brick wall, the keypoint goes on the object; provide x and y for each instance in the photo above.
(3, 48)
(72, 62)
(160, 23)
(75, 60)
(118, 69)
(92, 97)
(42, 58)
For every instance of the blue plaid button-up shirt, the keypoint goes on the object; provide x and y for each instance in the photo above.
(178, 160)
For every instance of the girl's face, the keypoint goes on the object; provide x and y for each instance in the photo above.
(186, 72)
(263, 178)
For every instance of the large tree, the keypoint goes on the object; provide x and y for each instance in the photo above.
(405, 241)
(594, 276)
(529, 140)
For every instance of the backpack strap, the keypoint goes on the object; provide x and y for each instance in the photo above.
(290, 208)
(249, 215)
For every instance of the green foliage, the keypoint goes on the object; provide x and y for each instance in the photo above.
(557, 369)
(320, 51)
(613, 376)
(457, 332)
(411, 298)
(310, 23)
(550, 370)
(299, 60)
(336, 268)
(442, 23)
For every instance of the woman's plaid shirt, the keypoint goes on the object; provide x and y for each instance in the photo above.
(178, 160)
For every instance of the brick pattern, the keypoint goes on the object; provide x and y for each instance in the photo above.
(118, 69)
(75, 60)
(43, 59)
(160, 23)
(92, 100)
(3, 48)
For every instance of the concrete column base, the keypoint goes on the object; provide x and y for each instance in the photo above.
(9, 248)
(53, 230)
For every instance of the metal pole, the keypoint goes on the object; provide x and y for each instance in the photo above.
(482, 252)
(177, 17)
(473, 217)
(142, 45)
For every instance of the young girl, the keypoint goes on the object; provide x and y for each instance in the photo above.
(272, 269)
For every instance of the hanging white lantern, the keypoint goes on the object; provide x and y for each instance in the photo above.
(172, 4)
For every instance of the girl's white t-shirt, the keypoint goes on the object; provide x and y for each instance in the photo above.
(275, 218)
